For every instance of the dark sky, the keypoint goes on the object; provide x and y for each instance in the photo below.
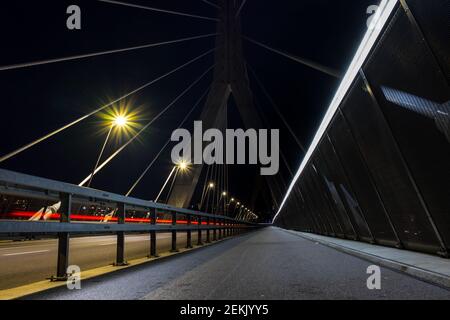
(37, 100)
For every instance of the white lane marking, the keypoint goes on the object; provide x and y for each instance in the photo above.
(27, 247)
(81, 241)
(127, 240)
(24, 253)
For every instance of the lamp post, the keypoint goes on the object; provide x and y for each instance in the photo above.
(211, 187)
(182, 166)
(119, 122)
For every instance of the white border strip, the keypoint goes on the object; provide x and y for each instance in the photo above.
(385, 10)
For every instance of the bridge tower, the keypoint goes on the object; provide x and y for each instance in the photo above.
(230, 78)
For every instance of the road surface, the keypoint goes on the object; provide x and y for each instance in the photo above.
(265, 264)
(27, 262)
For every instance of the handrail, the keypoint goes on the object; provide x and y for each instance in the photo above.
(14, 180)
(22, 185)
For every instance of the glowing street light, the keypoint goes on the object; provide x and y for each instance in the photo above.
(120, 121)
(183, 165)
(211, 185)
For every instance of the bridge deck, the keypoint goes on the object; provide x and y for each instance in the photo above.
(266, 264)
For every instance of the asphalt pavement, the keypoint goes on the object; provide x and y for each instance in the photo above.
(25, 262)
(266, 264)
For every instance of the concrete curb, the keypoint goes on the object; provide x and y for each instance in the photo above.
(416, 272)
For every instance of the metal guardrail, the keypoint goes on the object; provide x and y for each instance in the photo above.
(17, 184)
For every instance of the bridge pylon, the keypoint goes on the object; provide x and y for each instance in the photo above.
(230, 79)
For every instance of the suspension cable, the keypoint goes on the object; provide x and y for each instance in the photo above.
(115, 154)
(172, 185)
(306, 62)
(96, 54)
(174, 170)
(212, 4)
(205, 188)
(136, 183)
(158, 10)
(277, 110)
(32, 144)
(260, 111)
(241, 7)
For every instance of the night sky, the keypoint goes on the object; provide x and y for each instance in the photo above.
(37, 100)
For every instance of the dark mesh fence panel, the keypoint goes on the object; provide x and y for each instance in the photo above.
(337, 204)
(433, 19)
(343, 190)
(383, 166)
(326, 200)
(361, 181)
(304, 211)
(388, 172)
(297, 215)
(318, 225)
(414, 97)
(317, 201)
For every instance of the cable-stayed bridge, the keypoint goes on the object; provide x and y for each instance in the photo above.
(374, 178)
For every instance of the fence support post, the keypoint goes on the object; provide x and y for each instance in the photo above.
(174, 233)
(120, 256)
(153, 221)
(189, 232)
(63, 239)
(215, 230)
(199, 237)
(208, 233)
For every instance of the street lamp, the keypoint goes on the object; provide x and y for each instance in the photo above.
(182, 166)
(206, 195)
(120, 122)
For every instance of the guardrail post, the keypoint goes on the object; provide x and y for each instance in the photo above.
(220, 229)
(153, 221)
(174, 233)
(199, 237)
(189, 232)
(208, 233)
(215, 230)
(63, 239)
(226, 230)
(120, 256)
